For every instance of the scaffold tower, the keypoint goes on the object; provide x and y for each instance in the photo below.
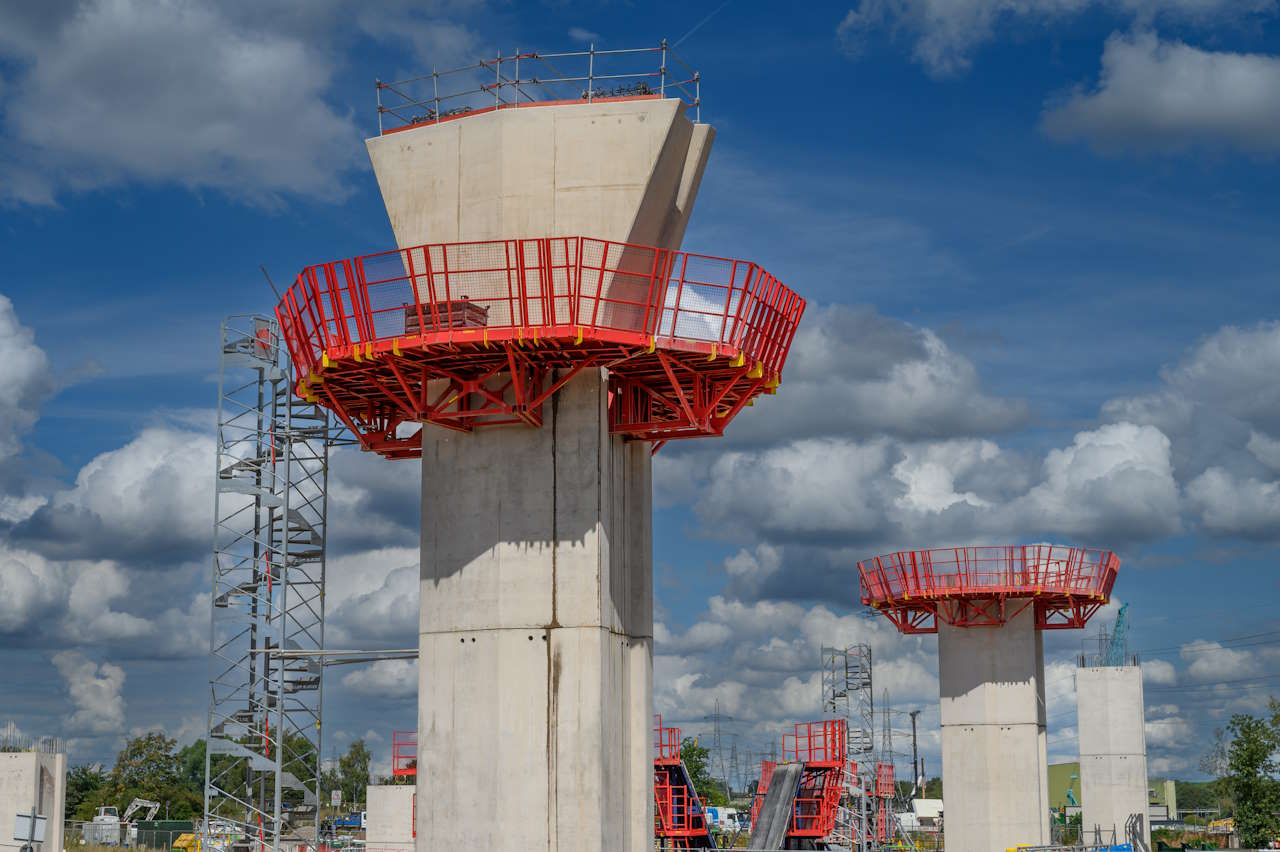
(262, 763)
(846, 694)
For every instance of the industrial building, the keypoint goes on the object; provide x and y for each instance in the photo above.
(1065, 796)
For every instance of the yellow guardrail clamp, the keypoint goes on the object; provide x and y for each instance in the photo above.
(757, 371)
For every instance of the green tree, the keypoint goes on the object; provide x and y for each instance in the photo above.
(353, 768)
(191, 766)
(697, 761)
(82, 783)
(1251, 770)
(146, 768)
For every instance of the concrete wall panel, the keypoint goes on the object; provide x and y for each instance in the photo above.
(535, 691)
(390, 817)
(626, 171)
(994, 757)
(1113, 752)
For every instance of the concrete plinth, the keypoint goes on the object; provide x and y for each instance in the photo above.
(389, 810)
(995, 779)
(536, 668)
(34, 780)
(1113, 754)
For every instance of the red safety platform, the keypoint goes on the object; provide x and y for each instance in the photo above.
(679, 820)
(987, 586)
(478, 334)
(822, 747)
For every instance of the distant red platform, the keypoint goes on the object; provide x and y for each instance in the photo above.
(987, 586)
(478, 334)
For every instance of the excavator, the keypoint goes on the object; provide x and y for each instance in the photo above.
(105, 828)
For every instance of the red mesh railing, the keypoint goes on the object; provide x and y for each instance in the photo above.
(817, 742)
(884, 780)
(404, 753)
(666, 745)
(563, 286)
(988, 586)
(1020, 569)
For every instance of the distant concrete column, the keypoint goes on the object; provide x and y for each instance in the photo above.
(1113, 753)
(995, 773)
(536, 669)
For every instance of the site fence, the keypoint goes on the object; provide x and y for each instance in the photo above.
(524, 78)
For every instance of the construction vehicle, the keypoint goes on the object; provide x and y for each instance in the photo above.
(104, 830)
(138, 804)
(188, 842)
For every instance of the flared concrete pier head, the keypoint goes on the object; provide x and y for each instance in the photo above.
(988, 606)
(536, 628)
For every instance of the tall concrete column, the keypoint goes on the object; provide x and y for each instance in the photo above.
(1113, 753)
(536, 668)
(995, 772)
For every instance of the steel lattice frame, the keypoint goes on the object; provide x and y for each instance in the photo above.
(847, 694)
(264, 727)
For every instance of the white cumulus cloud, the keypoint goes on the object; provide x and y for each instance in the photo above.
(96, 693)
(1163, 96)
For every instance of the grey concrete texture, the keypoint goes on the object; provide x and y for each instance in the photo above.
(995, 768)
(1111, 721)
(535, 695)
(389, 811)
(627, 171)
(33, 780)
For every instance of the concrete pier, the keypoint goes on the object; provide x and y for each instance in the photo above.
(536, 629)
(1113, 754)
(535, 707)
(995, 775)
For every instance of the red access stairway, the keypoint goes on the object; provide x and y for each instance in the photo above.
(679, 821)
(821, 749)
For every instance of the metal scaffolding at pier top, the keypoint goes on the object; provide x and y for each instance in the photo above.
(262, 764)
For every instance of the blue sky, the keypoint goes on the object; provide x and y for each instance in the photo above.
(1038, 241)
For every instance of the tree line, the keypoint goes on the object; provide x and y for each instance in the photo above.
(153, 766)
(1243, 761)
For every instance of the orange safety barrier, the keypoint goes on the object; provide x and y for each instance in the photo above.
(477, 334)
(987, 586)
